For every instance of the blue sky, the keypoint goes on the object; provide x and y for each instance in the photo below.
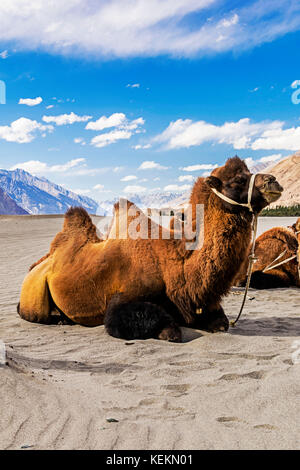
(114, 97)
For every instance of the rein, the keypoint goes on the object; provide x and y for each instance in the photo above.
(270, 266)
(252, 257)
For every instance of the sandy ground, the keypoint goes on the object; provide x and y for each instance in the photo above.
(235, 390)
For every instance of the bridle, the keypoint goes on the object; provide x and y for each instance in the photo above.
(252, 257)
(231, 201)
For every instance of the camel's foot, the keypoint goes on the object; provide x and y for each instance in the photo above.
(212, 321)
(171, 333)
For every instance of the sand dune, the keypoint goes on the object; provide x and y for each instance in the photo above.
(235, 390)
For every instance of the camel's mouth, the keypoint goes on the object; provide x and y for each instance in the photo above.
(271, 195)
(273, 192)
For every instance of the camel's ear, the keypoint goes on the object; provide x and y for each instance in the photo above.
(213, 182)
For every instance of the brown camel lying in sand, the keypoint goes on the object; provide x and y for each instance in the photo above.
(271, 248)
(84, 276)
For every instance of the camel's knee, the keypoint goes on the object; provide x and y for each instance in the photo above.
(34, 316)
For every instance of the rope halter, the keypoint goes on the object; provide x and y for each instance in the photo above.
(231, 201)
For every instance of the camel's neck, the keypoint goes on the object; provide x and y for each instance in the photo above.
(210, 271)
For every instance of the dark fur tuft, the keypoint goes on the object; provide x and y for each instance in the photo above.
(260, 280)
(137, 320)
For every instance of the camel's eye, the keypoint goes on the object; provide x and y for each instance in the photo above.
(240, 179)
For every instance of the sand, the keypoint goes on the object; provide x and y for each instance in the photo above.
(235, 390)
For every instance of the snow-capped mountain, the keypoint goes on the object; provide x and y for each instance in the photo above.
(8, 205)
(40, 196)
(155, 200)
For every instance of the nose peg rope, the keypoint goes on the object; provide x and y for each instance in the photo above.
(252, 260)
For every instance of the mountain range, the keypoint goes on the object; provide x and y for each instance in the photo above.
(155, 200)
(8, 205)
(39, 195)
(24, 193)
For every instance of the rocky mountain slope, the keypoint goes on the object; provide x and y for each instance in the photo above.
(40, 196)
(8, 205)
(287, 172)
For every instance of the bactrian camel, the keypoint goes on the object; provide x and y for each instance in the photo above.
(277, 264)
(84, 277)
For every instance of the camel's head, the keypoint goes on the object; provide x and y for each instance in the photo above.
(233, 180)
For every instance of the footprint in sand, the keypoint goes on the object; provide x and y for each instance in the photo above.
(267, 427)
(176, 389)
(227, 419)
(257, 374)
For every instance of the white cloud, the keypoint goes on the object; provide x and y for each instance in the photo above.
(102, 140)
(139, 146)
(270, 158)
(23, 130)
(79, 140)
(31, 101)
(177, 187)
(117, 169)
(118, 120)
(129, 178)
(241, 134)
(50, 106)
(133, 85)
(99, 187)
(104, 122)
(123, 128)
(183, 178)
(198, 167)
(278, 139)
(134, 189)
(64, 119)
(4, 54)
(126, 28)
(151, 165)
(251, 163)
(36, 167)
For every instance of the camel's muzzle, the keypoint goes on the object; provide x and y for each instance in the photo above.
(271, 189)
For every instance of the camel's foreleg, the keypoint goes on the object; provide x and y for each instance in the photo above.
(35, 300)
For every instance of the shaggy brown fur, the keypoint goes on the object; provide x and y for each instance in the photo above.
(268, 247)
(82, 273)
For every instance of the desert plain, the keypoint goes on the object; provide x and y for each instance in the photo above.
(72, 387)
